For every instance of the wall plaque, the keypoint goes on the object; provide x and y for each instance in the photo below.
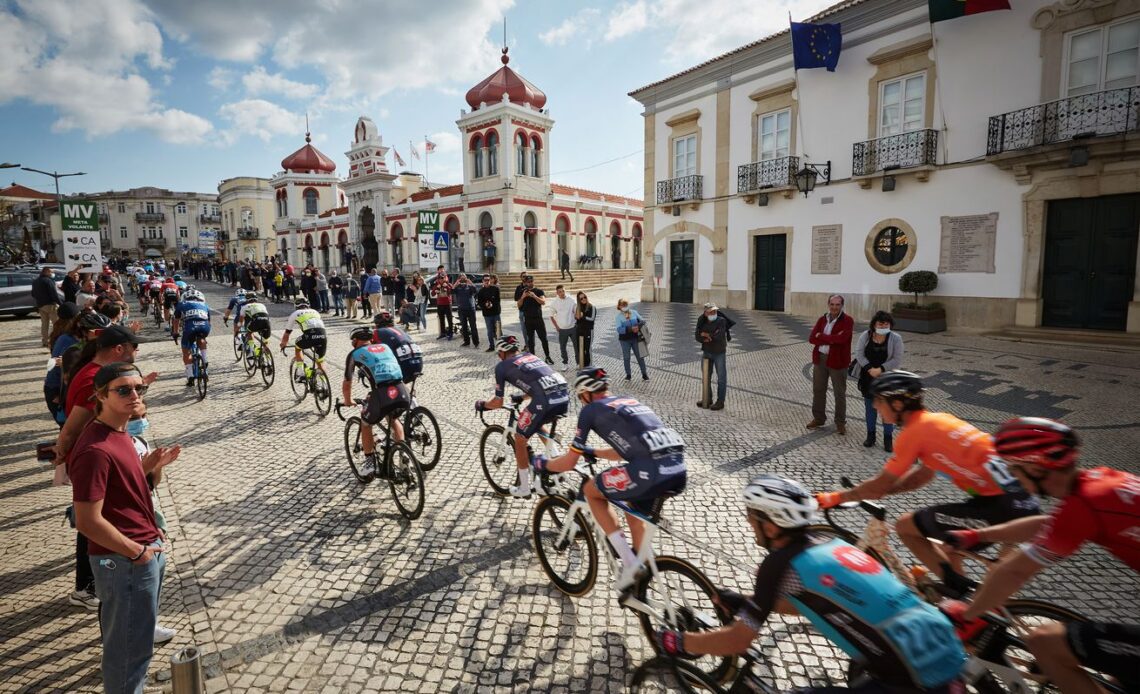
(826, 249)
(968, 243)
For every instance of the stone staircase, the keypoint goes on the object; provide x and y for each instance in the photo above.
(584, 280)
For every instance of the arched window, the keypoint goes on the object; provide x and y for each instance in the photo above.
(520, 147)
(529, 221)
(310, 201)
(397, 232)
(486, 221)
(492, 153)
(477, 153)
(451, 226)
(535, 149)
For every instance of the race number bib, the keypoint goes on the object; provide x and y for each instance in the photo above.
(551, 382)
(661, 439)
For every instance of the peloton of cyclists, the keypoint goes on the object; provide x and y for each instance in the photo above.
(386, 395)
(546, 389)
(313, 335)
(192, 317)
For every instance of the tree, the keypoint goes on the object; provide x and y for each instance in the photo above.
(918, 282)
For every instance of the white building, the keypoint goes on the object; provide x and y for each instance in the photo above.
(998, 150)
(248, 209)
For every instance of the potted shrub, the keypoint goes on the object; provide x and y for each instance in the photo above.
(919, 316)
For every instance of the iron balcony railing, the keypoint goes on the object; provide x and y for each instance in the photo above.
(247, 233)
(1110, 112)
(916, 148)
(150, 216)
(153, 243)
(223, 236)
(680, 189)
(210, 218)
(770, 173)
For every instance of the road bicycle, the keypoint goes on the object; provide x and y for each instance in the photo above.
(156, 306)
(306, 376)
(257, 356)
(421, 432)
(200, 370)
(239, 343)
(672, 593)
(497, 452)
(398, 464)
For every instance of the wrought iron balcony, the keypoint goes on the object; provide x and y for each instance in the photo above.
(1110, 112)
(160, 242)
(680, 189)
(916, 148)
(103, 217)
(150, 216)
(210, 218)
(247, 233)
(771, 173)
(223, 236)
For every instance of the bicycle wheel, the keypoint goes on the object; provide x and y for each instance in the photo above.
(406, 480)
(322, 392)
(498, 459)
(664, 674)
(421, 433)
(237, 347)
(681, 597)
(267, 366)
(201, 379)
(572, 564)
(354, 450)
(297, 380)
(248, 359)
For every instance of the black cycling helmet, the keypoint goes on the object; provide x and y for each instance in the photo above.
(363, 333)
(301, 303)
(93, 320)
(592, 379)
(507, 343)
(899, 385)
(383, 319)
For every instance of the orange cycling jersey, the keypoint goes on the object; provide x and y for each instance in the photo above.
(952, 448)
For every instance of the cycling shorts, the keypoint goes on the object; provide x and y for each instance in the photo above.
(191, 332)
(315, 340)
(641, 483)
(535, 415)
(384, 400)
(169, 300)
(259, 324)
(1109, 648)
(975, 512)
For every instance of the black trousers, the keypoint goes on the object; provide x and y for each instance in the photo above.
(585, 339)
(533, 326)
(84, 577)
(444, 313)
(467, 326)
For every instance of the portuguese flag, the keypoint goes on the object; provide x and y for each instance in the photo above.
(941, 10)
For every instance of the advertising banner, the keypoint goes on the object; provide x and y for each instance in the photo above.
(429, 257)
(79, 221)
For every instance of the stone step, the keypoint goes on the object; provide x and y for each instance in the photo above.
(1100, 338)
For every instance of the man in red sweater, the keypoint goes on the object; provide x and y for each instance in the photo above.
(829, 361)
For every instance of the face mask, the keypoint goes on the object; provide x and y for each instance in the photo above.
(882, 331)
(137, 427)
(712, 316)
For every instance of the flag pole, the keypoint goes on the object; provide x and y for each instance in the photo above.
(799, 94)
(426, 153)
(938, 95)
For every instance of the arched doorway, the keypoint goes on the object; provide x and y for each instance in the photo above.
(562, 228)
(284, 254)
(397, 236)
(637, 246)
(324, 251)
(615, 245)
(308, 249)
(451, 226)
(367, 226)
(530, 240)
(342, 245)
(591, 238)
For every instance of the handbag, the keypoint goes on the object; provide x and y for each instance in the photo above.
(643, 333)
(853, 368)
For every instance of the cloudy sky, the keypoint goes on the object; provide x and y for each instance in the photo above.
(181, 94)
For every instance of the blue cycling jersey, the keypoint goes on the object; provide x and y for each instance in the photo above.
(377, 360)
(408, 353)
(860, 606)
(235, 302)
(192, 312)
(180, 284)
(631, 428)
(533, 376)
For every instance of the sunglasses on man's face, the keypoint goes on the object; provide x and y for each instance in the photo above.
(125, 391)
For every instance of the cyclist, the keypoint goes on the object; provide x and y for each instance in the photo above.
(408, 353)
(170, 295)
(905, 643)
(654, 466)
(943, 445)
(1098, 505)
(312, 328)
(545, 388)
(234, 307)
(386, 396)
(155, 285)
(192, 315)
(178, 281)
(144, 292)
(254, 316)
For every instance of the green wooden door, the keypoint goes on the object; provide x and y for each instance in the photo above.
(769, 279)
(681, 270)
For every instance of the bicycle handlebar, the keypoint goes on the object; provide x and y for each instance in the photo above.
(339, 405)
(877, 511)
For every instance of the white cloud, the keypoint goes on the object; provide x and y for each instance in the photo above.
(571, 27)
(85, 65)
(259, 82)
(260, 118)
(220, 78)
(627, 19)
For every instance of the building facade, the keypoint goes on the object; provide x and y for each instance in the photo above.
(248, 217)
(999, 150)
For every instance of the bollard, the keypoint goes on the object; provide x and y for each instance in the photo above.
(186, 671)
(581, 351)
(706, 384)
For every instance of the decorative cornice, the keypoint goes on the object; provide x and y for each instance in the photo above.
(782, 87)
(687, 117)
(895, 51)
(1046, 16)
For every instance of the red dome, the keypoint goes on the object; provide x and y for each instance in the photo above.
(308, 159)
(505, 81)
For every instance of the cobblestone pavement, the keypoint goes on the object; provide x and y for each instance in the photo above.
(291, 576)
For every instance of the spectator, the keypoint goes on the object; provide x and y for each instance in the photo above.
(419, 295)
(322, 291)
(879, 349)
(370, 289)
(62, 337)
(714, 331)
(464, 297)
(489, 256)
(565, 323)
(309, 287)
(387, 290)
(830, 360)
(518, 295)
(530, 304)
(46, 296)
(290, 281)
(564, 265)
(408, 315)
(399, 285)
(584, 317)
(489, 303)
(113, 508)
(351, 295)
(85, 297)
(628, 322)
(70, 287)
(278, 285)
(336, 287)
(441, 290)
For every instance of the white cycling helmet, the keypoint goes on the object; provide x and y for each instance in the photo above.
(239, 293)
(592, 379)
(785, 502)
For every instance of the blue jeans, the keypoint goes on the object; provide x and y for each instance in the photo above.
(717, 361)
(872, 417)
(423, 315)
(322, 300)
(492, 323)
(338, 301)
(626, 347)
(128, 613)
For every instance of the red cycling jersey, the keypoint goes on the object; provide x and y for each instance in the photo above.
(1104, 507)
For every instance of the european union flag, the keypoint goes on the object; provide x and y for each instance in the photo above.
(816, 45)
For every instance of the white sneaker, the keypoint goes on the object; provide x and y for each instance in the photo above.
(520, 492)
(163, 634)
(84, 599)
(629, 577)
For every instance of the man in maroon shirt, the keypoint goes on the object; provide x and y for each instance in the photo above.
(441, 291)
(829, 361)
(113, 510)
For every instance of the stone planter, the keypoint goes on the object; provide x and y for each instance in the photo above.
(920, 320)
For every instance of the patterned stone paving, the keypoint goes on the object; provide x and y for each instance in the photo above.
(292, 577)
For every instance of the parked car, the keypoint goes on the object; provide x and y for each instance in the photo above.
(16, 291)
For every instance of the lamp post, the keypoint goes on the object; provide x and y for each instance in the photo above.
(6, 165)
(806, 177)
(58, 199)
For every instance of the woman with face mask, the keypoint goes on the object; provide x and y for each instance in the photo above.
(879, 349)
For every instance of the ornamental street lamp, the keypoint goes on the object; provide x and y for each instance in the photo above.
(806, 177)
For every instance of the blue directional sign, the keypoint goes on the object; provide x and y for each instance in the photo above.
(441, 240)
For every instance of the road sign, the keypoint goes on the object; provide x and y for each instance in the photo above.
(441, 240)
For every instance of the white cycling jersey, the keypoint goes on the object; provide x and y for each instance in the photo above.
(305, 319)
